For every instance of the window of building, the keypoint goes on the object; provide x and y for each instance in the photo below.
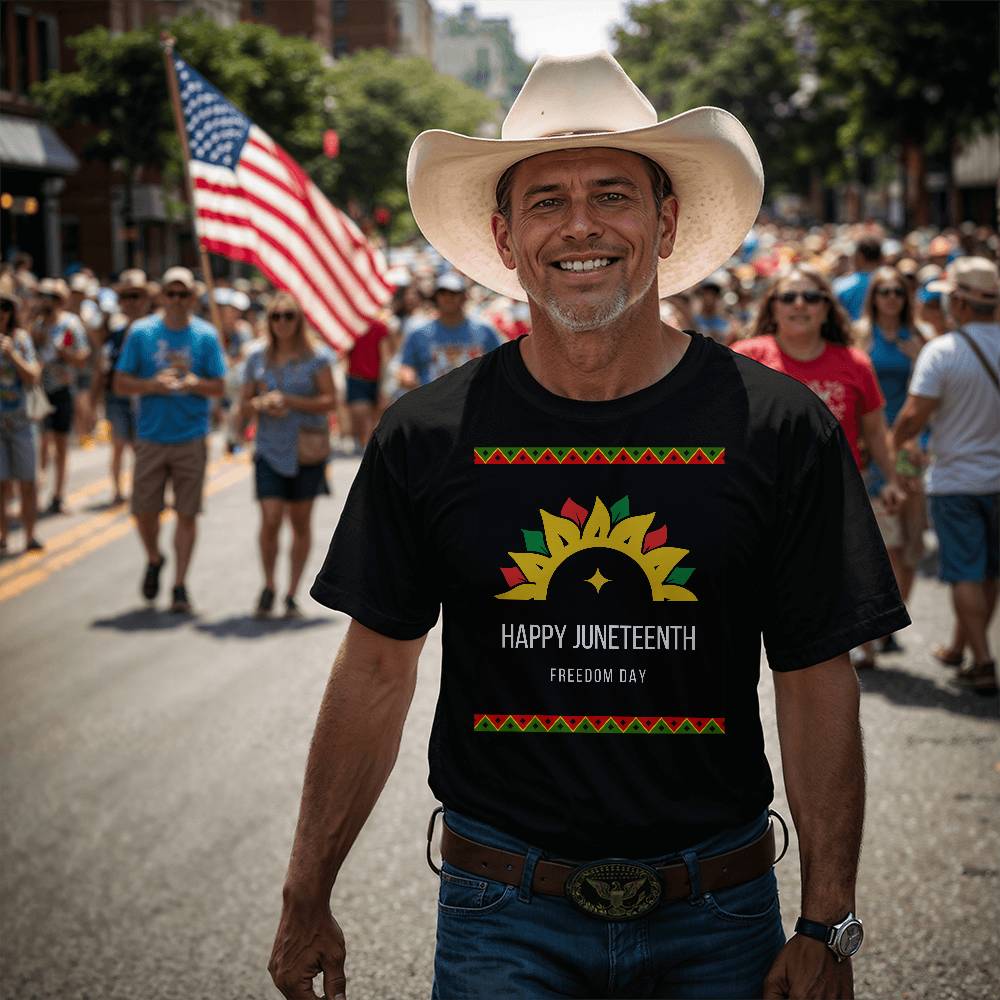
(341, 46)
(338, 10)
(257, 9)
(23, 31)
(48, 50)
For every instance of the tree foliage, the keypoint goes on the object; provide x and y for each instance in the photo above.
(286, 85)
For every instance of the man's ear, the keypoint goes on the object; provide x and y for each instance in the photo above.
(501, 237)
(669, 210)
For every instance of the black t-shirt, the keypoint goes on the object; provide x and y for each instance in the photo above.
(606, 570)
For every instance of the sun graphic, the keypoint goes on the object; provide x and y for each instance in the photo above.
(575, 529)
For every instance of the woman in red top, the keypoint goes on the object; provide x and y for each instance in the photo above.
(803, 331)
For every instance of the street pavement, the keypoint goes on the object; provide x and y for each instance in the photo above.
(152, 767)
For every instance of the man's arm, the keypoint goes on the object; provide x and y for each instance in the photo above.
(912, 418)
(210, 388)
(353, 751)
(818, 711)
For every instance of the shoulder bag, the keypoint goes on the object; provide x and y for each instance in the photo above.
(982, 358)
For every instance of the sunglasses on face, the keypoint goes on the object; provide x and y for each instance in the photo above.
(886, 292)
(132, 296)
(176, 295)
(810, 298)
(288, 317)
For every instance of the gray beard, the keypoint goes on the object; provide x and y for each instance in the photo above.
(583, 319)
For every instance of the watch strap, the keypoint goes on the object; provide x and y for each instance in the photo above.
(810, 928)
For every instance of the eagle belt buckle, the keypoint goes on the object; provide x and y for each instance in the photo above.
(614, 889)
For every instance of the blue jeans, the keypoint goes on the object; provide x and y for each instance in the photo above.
(497, 940)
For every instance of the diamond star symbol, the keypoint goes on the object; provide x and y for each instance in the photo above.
(598, 580)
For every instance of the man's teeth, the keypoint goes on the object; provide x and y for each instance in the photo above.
(584, 265)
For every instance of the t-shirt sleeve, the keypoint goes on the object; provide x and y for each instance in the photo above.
(378, 569)
(491, 338)
(212, 357)
(251, 368)
(413, 349)
(128, 360)
(928, 374)
(831, 585)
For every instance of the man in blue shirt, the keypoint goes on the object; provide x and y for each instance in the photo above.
(851, 289)
(173, 362)
(446, 342)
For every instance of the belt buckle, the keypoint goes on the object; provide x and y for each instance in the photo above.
(614, 889)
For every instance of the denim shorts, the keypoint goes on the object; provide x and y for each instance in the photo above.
(17, 449)
(497, 940)
(968, 530)
(361, 390)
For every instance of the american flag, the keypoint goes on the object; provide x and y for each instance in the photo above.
(254, 203)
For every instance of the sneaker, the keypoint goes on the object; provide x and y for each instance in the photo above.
(55, 506)
(151, 580)
(292, 610)
(978, 677)
(947, 657)
(180, 605)
(34, 545)
(265, 604)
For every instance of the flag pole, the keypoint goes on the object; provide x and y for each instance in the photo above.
(167, 41)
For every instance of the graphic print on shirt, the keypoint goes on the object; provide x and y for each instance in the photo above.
(834, 394)
(596, 565)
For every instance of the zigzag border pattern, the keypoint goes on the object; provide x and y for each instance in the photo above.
(617, 725)
(592, 455)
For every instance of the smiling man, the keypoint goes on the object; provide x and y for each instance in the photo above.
(611, 513)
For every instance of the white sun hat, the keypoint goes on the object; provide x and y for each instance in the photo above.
(583, 102)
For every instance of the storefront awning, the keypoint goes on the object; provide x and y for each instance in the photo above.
(32, 145)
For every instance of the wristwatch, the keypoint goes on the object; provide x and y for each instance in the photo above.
(843, 939)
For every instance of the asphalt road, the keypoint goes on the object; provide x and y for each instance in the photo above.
(151, 770)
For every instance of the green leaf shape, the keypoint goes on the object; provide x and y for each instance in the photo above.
(534, 541)
(680, 576)
(619, 510)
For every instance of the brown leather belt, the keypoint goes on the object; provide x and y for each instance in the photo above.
(717, 872)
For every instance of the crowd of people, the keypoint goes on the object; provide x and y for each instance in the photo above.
(856, 314)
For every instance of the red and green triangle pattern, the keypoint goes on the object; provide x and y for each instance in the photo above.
(594, 455)
(617, 725)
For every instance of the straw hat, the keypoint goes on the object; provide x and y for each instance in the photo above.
(55, 287)
(586, 102)
(132, 279)
(975, 278)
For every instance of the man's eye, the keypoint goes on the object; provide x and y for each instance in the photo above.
(613, 195)
(546, 203)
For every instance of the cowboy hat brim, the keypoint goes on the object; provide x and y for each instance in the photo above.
(712, 162)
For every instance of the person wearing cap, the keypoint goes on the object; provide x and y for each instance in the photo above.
(447, 341)
(19, 373)
(955, 389)
(133, 292)
(173, 362)
(63, 349)
(709, 319)
(610, 513)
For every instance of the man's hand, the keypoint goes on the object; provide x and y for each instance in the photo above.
(806, 970)
(6, 345)
(893, 497)
(308, 942)
(165, 380)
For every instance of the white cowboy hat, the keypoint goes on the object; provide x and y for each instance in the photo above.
(577, 103)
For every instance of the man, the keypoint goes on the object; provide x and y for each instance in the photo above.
(852, 288)
(63, 349)
(174, 364)
(956, 388)
(446, 342)
(532, 493)
(133, 292)
(710, 320)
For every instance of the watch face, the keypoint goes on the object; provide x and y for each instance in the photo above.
(850, 939)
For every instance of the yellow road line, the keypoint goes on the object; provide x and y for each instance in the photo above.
(94, 523)
(41, 570)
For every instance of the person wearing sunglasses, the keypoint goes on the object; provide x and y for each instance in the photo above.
(19, 372)
(63, 349)
(889, 333)
(803, 331)
(173, 362)
(288, 389)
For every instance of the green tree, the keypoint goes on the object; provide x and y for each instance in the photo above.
(741, 55)
(906, 78)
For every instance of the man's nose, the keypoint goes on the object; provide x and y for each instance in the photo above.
(581, 221)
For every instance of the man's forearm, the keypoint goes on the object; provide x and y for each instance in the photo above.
(824, 769)
(352, 754)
